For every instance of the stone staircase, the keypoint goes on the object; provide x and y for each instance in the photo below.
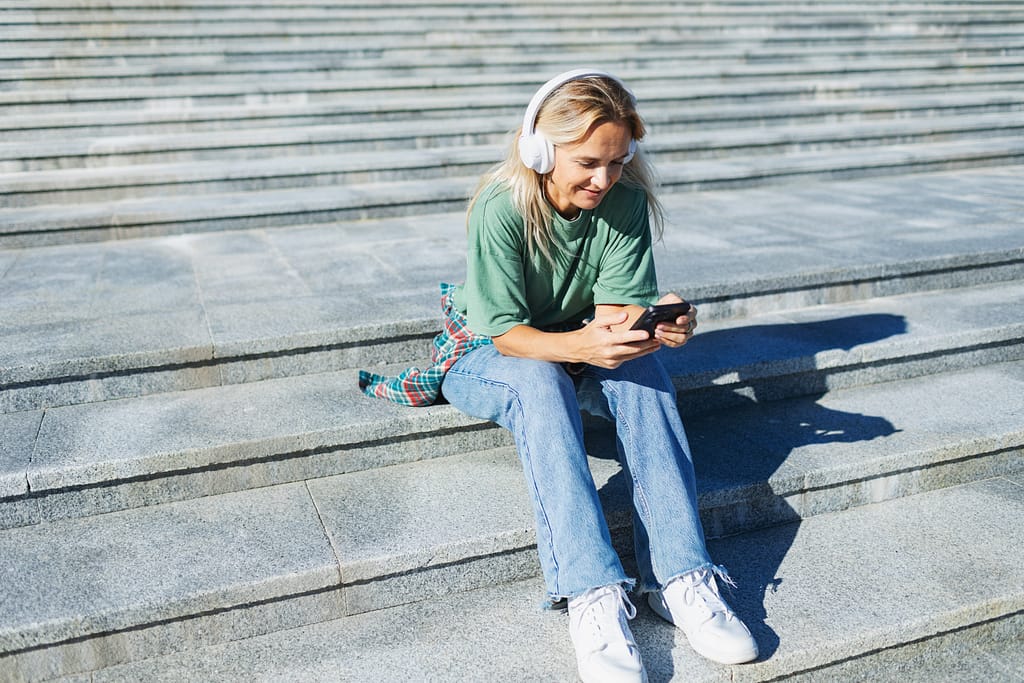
(213, 213)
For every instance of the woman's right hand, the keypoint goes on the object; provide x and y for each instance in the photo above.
(598, 343)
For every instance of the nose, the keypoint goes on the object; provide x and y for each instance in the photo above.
(601, 177)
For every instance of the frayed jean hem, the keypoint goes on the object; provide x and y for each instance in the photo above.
(561, 602)
(718, 571)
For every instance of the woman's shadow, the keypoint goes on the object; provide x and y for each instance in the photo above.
(741, 439)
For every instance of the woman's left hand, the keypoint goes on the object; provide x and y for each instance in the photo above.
(676, 334)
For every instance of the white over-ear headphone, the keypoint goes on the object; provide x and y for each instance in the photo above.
(535, 150)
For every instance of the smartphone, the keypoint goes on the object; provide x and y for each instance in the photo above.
(653, 315)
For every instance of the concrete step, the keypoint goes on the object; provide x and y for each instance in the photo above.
(449, 177)
(56, 13)
(422, 57)
(708, 67)
(467, 52)
(109, 320)
(654, 21)
(95, 457)
(814, 617)
(497, 113)
(363, 93)
(233, 565)
(35, 173)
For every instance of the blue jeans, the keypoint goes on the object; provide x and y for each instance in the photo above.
(537, 402)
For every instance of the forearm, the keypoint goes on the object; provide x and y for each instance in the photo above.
(523, 341)
(606, 341)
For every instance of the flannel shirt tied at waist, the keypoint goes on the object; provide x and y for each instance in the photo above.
(415, 387)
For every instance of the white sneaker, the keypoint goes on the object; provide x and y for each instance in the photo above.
(692, 602)
(605, 649)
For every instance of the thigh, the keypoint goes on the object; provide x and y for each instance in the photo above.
(490, 386)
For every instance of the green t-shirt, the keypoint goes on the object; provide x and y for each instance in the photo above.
(603, 257)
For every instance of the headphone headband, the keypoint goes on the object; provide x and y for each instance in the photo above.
(536, 152)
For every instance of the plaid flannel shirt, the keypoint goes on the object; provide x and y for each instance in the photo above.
(415, 387)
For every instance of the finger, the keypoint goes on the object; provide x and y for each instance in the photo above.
(670, 298)
(609, 319)
(672, 340)
(640, 348)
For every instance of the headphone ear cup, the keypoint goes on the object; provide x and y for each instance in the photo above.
(537, 153)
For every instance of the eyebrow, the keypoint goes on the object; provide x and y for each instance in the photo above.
(621, 156)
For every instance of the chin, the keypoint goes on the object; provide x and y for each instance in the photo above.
(588, 201)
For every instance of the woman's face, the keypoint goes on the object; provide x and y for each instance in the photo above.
(584, 171)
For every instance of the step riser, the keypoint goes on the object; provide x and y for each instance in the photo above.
(124, 382)
(327, 74)
(762, 509)
(422, 61)
(290, 218)
(240, 470)
(939, 655)
(256, 150)
(326, 180)
(24, 194)
(712, 397)
(678, 29)
(661, 120)
(151, 640)
(835, 88)
(127, 227)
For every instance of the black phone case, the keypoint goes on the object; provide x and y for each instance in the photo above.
(653, 315)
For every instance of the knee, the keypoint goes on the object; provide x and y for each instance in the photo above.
(647, 371)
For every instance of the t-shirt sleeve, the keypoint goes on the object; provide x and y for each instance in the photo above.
(627, 274)
(495, 291)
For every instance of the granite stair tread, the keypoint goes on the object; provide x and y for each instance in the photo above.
(87, 457)
(283, 207)
(890, 602)
(870, 566)
(697, 116)
(711, 88)
(181, 312)
(211, 160)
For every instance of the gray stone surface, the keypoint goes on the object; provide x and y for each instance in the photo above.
(990, 652)
(154, 435)
(76, 578)
(274, 304)
(17, 436)
(130, 122)
(829, 590)
(395, 529)
(804, 457)
(890, 573)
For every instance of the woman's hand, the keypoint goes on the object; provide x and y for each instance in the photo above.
(674, 335)
(603, 343)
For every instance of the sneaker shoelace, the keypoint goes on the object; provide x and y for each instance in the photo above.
(599, 610)
(702, 591)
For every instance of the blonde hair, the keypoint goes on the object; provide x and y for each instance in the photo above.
(567, 115)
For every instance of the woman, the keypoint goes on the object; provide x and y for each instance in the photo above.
(559, 265)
